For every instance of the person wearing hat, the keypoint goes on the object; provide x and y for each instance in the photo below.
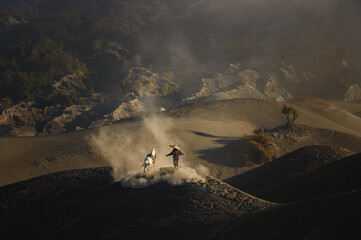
(176, 153)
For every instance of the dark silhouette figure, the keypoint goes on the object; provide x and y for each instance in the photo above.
(176, 153)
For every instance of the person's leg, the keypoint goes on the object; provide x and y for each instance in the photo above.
(175, 162)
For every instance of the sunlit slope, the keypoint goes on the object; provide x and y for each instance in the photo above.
(208, 133)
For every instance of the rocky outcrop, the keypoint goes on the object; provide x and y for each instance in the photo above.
(68, 113)
(144, 83)
(239, 82)
(142, 87)
(247, 82)
(68, 83)
(27, 119)
(272, 89)
(353, 93)
(58, 124)
(127, 109)
(24, 112)
(67, 91)
(20, 119)
(242, 91)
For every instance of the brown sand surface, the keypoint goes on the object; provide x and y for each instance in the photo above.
(207, 133)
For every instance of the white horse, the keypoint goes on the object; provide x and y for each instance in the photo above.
(149, 160)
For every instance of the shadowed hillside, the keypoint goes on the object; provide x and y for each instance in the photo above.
(332, 217)
(86, 205)
(308, 172)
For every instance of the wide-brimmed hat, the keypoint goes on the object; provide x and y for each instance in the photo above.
(174, 146)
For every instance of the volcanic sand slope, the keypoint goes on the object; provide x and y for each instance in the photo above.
(319, 113)
(208, 133)
(83, 204)
(290, 138)
(221, 152)
(87, 206)
(339, 116)
(308, 172)
(332, 217)
(24, 158)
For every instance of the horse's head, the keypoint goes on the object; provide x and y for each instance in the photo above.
(154, 153)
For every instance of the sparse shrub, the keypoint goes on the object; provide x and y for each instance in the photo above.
(19, 121)
(261, 153)
(294, 115)
(258, 131)
(260, 148)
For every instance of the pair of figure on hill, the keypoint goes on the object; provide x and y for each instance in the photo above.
(149, 160)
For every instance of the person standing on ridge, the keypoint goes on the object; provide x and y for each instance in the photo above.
(176, 153)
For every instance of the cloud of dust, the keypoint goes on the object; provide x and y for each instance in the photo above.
(126, 145)
(184, 174)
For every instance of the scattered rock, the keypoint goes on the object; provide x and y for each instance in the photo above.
(127, 109)
(145, 83)
(68, 83)
(241, 82)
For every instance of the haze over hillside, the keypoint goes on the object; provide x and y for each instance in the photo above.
(293, 49)
(68, 65)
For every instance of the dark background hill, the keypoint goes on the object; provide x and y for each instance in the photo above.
(303, 46)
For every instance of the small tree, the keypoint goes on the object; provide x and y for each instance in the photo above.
(294, 115)
(291, 114)
(287, 111)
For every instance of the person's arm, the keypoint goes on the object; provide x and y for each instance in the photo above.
(171, 153)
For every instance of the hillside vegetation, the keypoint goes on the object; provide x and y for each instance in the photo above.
(295, 47)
